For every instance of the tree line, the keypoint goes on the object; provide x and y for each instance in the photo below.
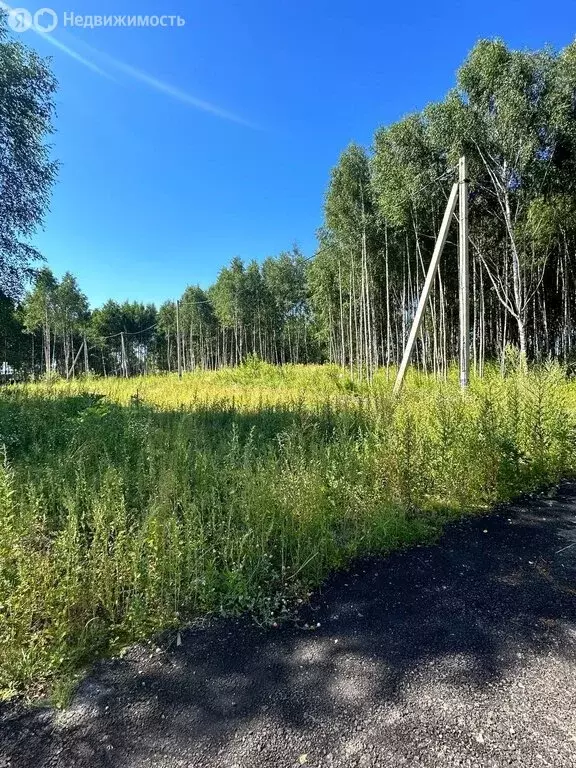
(255, 309)
(512, 113)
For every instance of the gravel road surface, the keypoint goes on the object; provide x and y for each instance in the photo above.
(457, 654)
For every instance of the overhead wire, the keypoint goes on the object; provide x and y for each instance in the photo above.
(413, 194)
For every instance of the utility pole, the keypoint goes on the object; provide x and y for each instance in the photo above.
(438, 248)
(464, 275)
(71, 369)
(124, 361)
(86, 364)
(178, 340)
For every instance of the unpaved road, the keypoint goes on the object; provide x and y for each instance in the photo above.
(459, 654)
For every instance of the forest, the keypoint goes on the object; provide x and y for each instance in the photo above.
(134, 500)
(512, 113)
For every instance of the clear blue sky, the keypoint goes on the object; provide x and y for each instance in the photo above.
(155, 193)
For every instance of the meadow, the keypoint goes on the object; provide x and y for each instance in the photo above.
(131, 506)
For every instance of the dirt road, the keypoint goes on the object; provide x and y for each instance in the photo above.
(457, 654)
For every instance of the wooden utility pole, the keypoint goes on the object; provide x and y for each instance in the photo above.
(464, 275)
(86, 364)
(124, 361)
(71, 369)
(438, 248)
(178, 350)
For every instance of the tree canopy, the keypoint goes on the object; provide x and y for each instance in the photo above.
(27, 172)
(512, 113)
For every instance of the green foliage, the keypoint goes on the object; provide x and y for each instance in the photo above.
(27, 173)
(39, 306)
(243, 491)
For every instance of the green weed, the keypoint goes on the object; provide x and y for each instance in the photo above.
(237, 491)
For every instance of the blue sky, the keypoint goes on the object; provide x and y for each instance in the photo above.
(156, 193)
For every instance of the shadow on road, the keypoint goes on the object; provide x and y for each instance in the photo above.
(493, 588)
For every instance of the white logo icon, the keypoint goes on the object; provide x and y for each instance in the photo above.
(45, 20)
(20, 20)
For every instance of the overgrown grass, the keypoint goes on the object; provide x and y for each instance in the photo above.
(122, 515)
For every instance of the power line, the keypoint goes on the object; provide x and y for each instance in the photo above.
(128, 333)
(439, 178)
(411, 195)
(434, 181)
(144, 330)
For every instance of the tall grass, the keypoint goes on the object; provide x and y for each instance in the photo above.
(131, 506)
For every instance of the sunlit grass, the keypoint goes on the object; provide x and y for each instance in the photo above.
(249, 387)
(131, 505)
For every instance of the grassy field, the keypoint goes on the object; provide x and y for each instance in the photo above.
(131, 506)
